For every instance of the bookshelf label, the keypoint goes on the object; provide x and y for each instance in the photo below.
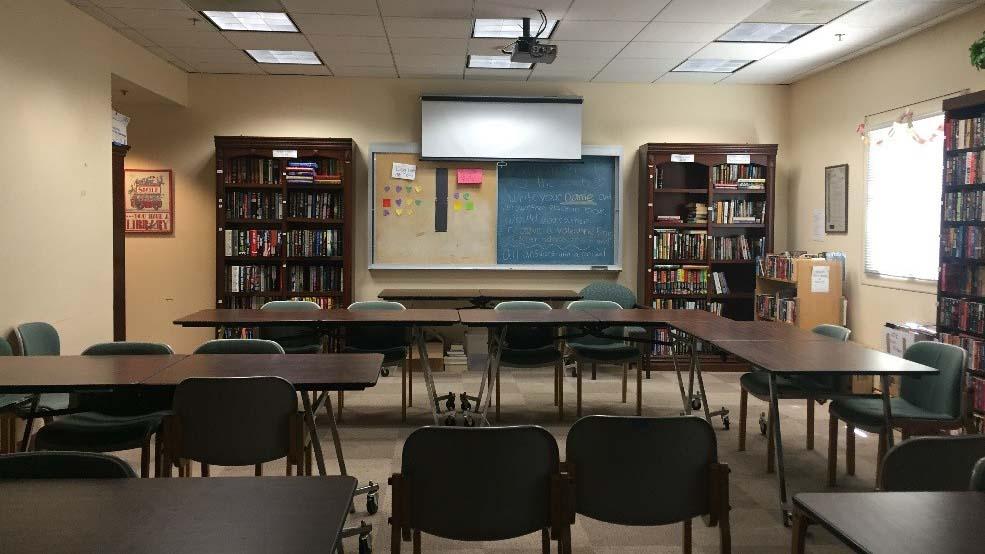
(218, 172)
(820, 277)
(682, 157)
(285, 153)
(738, 159)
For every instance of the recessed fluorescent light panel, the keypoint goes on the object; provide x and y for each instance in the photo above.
(711, 66)
(767, 32)
(252, 21)
(285, 56)
(496, 62)
(510, 28)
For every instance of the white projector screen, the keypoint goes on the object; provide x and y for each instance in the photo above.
(501, 128)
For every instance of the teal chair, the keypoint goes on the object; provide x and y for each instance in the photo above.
(978, 476)
(8, 404)
(932, 463)
(614, 292)
(239, 346)
(113, 421)
(601, 350)
(63, 465)
(811, 390)
(392, 342)
(927, 404)
(527, 346)
(293, 339)
(41, 339)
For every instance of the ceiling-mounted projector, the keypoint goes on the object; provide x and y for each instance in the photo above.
(527, 49)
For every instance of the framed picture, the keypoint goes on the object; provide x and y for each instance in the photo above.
(149, 201)
(836, 199)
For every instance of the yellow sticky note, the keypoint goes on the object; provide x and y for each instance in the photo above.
(418, 188)
(399, 211)
(457, 205)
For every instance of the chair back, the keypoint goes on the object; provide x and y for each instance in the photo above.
(126, 402)
(128, 348)
(375, 337)
(641, 470)
(234, 421)
(615, 332)
(609, 290)
(239, 346)
(508, 468)
(527, 336)
(932, 463)
(5, 349)
(63, 465)
(828, 382)
(978, 476)
(836, 332)
(939, 393)
(291, 336)
(38, 339)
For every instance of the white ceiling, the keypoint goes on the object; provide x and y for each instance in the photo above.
(636, 41)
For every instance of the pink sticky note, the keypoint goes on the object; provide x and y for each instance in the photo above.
(470, 176)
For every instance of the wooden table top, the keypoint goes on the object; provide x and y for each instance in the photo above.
(650, 317)
(304, 371)
(429, 294)
(559, 317)
(556, 295)
(216, 515)
(29, 374)
(900, 522)
(478, 294)
(722, 329)
(259, 318)
(820, 357)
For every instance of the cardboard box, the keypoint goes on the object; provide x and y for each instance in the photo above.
(436, 357)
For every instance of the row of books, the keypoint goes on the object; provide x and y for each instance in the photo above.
(687, 304)
(669, 244)
(679, 348)
(252, 170)
(781, 306)
(696, 212)
(776, 266)
(962, 242)
(964, 169)
(962, 315)
(252, 242)
(736, 248)
(964, 133)
(719, 283)
(736, 175)
(962, 279)
(253, 278)
(319, 205)
(964, 206)
(320, 172)
(257, 302)
(977, 386)
(319, 242)
(314, 278)
(974, 347)
(737, 211)
(680, 280)
(254, 205)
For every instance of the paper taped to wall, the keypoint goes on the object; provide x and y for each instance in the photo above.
(404, 171)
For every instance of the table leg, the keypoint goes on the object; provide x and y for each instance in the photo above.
(494, 356)
(29, 423)
(680, 379)
(639, 385)
(778, 448)
(887, 412)
(799, 538)
(422, 351)
(309, 419)
(701, 389)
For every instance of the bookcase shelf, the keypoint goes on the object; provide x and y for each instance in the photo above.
(249, 180)
(811, 306)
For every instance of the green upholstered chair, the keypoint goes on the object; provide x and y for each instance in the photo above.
(601, 350)
(8, 403)
(293, 339)
(932, 463)
(978, 477)
(41, 339)
(526, 346)
(757, 383)
(239, 346)
(927, 404)
(614, 292)
(392, 342)
(63, 465)
(113, 421)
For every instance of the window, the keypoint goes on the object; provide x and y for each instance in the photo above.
(902, 199)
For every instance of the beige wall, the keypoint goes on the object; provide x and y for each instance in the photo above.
(55, 150)
(168, 277)
(824, 112)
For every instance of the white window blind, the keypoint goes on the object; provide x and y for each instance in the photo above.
(902, 199)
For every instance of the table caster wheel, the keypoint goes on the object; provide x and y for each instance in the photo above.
(695, 403)
(450, 420)
(725, 422)
(450, 402)
(468, 421)
(762, 424)
(464, 402)
(365, 544)
(787, 518)
(372, 502)
(385, 372)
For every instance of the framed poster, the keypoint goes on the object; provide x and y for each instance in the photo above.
(149, 201)
(836, 199)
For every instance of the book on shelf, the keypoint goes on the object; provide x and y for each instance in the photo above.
(697, 212)
(779, 306)
(253, 278)
(974, 347)
(961, 315)
(668, 219)
(251, 170)
(252, 242)
(777, 266)
(248, 302)
(719, 282)
(317, 242)
(680, 279)
(962, 279)
(737, 211)
(734, 175)
(736, 248)
(962, 242)
(314, 205)
(314, 278)
(964, 133)
(964, 206)
(254, 205)
(681, 303)
(671, 244)
(967, 168)
(325, 302)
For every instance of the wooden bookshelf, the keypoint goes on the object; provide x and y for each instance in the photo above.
(961, 281)
(668, 185)
(250, 179)
(813, 306)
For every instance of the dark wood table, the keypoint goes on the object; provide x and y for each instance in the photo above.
(712, 330)
(895, 522)
(478, 298)
(215, 515)
(53, 374)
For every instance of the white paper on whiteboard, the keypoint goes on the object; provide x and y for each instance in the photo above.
(285, 153)
(817, 224)
(403, 171)
(820, 278)
(738, 159)
(682, 157)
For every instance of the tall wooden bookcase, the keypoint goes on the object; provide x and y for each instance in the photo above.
(961, 281)
(260, 210)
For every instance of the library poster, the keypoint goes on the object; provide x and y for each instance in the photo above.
(149, 201)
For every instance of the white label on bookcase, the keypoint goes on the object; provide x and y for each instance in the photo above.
(218, 172)
(285, 153)
(682, 157)
(820, 278)
(737, 159)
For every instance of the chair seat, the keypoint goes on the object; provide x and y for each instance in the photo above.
(390, 355)
(605, 352)
(867, 412)
(49, 404)
(637, 332)
(11, 400)
(302, 349)
(757, 383)
(529, 357)
(96, 432)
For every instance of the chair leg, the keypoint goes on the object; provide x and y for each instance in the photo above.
(743, 413)
(559, 369)
(158, 453)
(832, 451)
(287, 464)
(417, 542)
(205, 470)
(686, 537)
(545, 541)
(810, 424)
(850, 450)
(646, 360)
(403, 390)
(258, 470)
(341, 401)
(880, 455)
(307, 459)
(770, 446)
(578, 404)
(556, 377)
(595, 367)
(639, 389)
(725, 533)
(410, 376)
(625, 374)
(145, 459)
(799, 542)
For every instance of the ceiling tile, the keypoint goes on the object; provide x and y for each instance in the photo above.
(140, 18)
(824, 45)
(497, 74)
(136, 37)
(768, 72)
(597, 30)
(709, 11)
(659, 31)
(295, 69)
(635, 71)
(587, 49)
(148, 4)
(339, 25)
(355, 71)
(554, 9)
(486, 46)
(213, 55)
(228, 67)
(101, 15)
(429, 63)
(201, 38)
(449, 75)
(737, 50)
(427, 8)
(803, 11)
(619, 10)
(342, 7)
(232, 5)
(406, 45)
(701, 78)
(637, 49)
(368, 45)
(572, 70)
(356, 59)
(428, 27)
(898, 15)
(250, 40)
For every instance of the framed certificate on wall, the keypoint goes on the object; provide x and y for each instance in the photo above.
(149, 201)
(836, 199)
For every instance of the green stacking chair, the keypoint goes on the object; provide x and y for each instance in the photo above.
(41, 339)
(8, 403)
(927, 404)
(810, 389)
(392, 342)
(239, 346)
(932, 463)
(63, 465)
(113, 421)
(614, 292)
(600, 350)
(526, 346)
(978, 476)
(293, 339)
